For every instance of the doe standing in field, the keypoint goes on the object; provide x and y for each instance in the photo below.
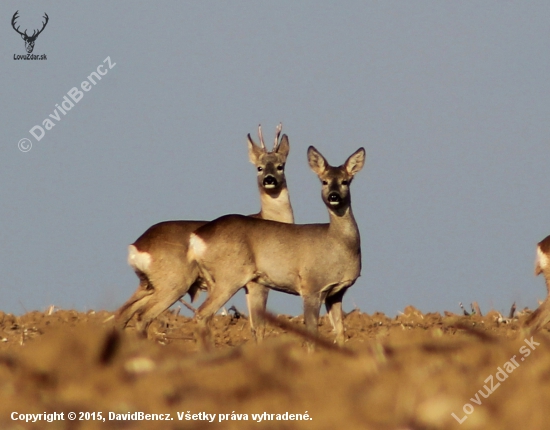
(159, 256)
(319, 262)
(541, 316)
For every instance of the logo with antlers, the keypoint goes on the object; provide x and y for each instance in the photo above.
(29, 40)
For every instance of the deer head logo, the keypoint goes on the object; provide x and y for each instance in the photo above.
(29, 40)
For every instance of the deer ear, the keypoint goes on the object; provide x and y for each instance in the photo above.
(316, 161)
(355, 162)
(23, 36)
(284, 146)
(254, 151)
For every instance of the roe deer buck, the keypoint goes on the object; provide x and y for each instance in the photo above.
(159, 256)
(541, 316)
(316, 261)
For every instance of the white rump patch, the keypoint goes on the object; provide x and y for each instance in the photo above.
(139, 260)
(542, 259)
(197, 246)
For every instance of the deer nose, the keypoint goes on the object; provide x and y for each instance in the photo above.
(270, 181)
(334, 198)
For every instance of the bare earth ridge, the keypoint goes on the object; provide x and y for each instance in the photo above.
(409, 372)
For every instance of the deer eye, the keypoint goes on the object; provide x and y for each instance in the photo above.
(260, 169)
(325, 183)
(280, 167)
(345, 182)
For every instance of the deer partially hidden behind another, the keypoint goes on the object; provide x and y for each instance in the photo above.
(541, 316)
(159, 256)
(319, 262)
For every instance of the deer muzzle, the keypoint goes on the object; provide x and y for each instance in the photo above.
(334, 199)
(270, 182)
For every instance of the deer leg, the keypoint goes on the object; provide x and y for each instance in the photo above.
(218, 296)
(547, 279)
(256, 299)
(312, 307)
(164, 298)
(540, 317)
(333, 305)
(134, 304)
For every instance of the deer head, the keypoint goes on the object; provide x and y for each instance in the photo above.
(270, 164)
(29, 40)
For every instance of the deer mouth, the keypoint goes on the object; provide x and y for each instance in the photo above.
(270, 182)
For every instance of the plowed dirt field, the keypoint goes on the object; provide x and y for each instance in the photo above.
(413, 371)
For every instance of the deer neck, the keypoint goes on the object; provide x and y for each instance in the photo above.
(343, 225)
(276, 207)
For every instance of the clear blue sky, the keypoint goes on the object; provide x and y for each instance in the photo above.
(450, 100)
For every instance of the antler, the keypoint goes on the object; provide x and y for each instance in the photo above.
(34, 36)
(277, 134)
(261, 136)
(13, 24)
